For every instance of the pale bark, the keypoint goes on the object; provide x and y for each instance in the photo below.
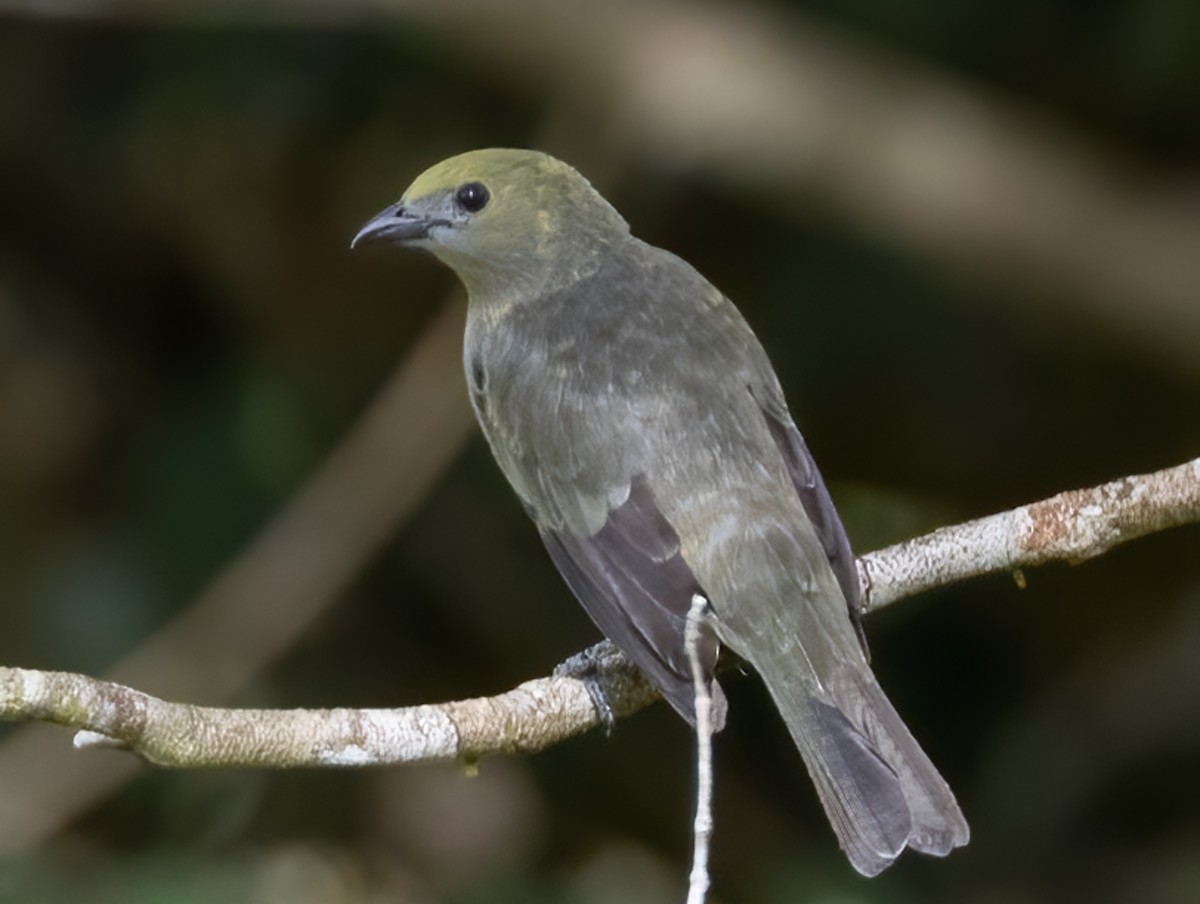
(1069, 527)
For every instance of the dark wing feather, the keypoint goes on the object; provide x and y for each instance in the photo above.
(631, 579)
(818, 505)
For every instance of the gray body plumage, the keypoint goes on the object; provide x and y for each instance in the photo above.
(638, 401)
(643, 428)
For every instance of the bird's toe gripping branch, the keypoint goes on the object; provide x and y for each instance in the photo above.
(600, 668)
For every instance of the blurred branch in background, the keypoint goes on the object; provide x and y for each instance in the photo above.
(1072, 526)
(255, 609)
(793, 109)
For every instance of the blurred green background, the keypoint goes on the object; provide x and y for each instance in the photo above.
(967, 232)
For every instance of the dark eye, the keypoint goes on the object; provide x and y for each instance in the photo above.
(472, 197)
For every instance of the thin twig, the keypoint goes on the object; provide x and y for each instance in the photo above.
(702, 825)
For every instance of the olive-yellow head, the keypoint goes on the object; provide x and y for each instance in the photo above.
(506, 221)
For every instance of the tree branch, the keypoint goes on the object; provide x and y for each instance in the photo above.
(1071, 526)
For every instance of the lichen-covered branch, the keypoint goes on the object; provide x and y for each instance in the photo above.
(526, 719)
(1071, 526)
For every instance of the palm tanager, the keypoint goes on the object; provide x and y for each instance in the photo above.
(644, 430)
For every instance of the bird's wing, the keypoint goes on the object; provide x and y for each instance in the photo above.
(570, 454)
(815, 499)
(632, 580)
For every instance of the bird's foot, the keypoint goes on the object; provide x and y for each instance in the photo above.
(595, 668)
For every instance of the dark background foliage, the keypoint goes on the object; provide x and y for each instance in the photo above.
(184, 337)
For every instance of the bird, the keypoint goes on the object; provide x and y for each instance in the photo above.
(644, 430)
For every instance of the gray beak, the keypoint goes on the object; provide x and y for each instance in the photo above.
(395, 225)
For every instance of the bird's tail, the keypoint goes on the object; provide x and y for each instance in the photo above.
(879, 789)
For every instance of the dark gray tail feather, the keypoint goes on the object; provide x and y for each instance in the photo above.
(879, 789)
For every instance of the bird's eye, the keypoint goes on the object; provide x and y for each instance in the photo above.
(472, 197)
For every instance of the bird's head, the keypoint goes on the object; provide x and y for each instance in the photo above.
(508, 222)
